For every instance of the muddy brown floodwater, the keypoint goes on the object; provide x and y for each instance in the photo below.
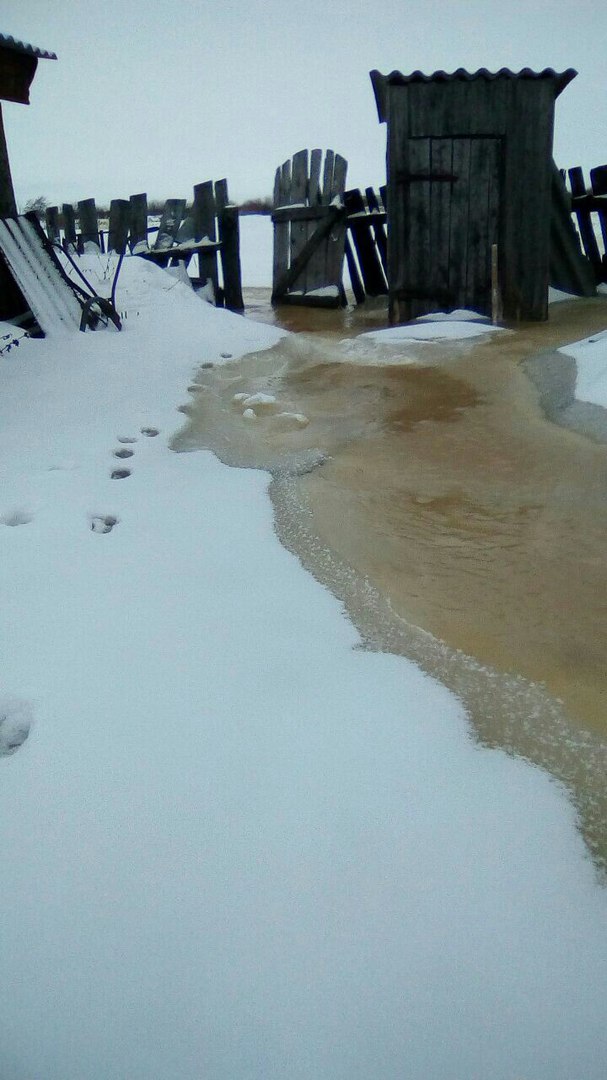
(425, 485)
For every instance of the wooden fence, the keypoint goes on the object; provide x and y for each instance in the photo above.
(207, 230)
(589, 207)
(366, 242)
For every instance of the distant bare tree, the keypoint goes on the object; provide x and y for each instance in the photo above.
(36, 206)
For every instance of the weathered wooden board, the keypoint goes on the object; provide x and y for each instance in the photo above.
(118, 231)
(139, 221)
(53, 227)
(69, 226)
(89, 225)
(204, 226)
(570, 270)
(598, 182)
(169, 224)
(360, 226)
(229, 237)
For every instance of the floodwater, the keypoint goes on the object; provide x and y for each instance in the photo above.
(461, 527)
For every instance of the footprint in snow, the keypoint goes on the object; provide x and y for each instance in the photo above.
(126, 439)
(123, 452)
(103, 523)
(119, 474)
(16, 718)
(16, 517)
(151, 432)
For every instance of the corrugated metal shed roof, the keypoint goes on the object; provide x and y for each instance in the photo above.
(51, 300)
(8, 42)
(396, 78)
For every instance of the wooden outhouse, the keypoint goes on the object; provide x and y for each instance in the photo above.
(469, 166)
(18, 63)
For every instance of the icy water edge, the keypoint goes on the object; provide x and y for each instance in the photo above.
(459, 525)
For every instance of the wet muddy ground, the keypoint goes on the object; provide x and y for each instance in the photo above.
(429, 488)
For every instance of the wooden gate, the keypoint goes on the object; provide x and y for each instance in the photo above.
(450, 205)
(309, 230)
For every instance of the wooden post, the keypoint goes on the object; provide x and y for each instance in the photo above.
(496, 300)
(282, 188)
(139, 220)
(53, 230)
(89, 226)
(229, 235)
(204, 225)
(69, 225)
(8, 206)
(119, 225)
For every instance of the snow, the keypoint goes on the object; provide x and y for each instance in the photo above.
(256, 238)
(590, 356)
(441, 326)
(556, 296)
(234, 843)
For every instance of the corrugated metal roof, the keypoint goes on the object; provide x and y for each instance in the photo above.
(396, 78)
(52, 302)
(8, 42)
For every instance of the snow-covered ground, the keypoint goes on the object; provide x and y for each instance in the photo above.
(234, 844)
(590, 357)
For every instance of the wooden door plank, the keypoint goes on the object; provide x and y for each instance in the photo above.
(335, 242)
(441, 163)
(327, 176)
(299, 230)
(282, 195)
(314, 192)
(419, 285)
(458, 225)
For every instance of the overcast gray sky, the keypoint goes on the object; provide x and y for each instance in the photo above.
(157, 95)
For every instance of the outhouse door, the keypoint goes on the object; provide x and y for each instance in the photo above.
(450, 197)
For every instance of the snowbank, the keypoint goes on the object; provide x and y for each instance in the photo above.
(233, 843)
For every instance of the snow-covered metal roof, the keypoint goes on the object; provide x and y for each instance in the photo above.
(8, 42)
